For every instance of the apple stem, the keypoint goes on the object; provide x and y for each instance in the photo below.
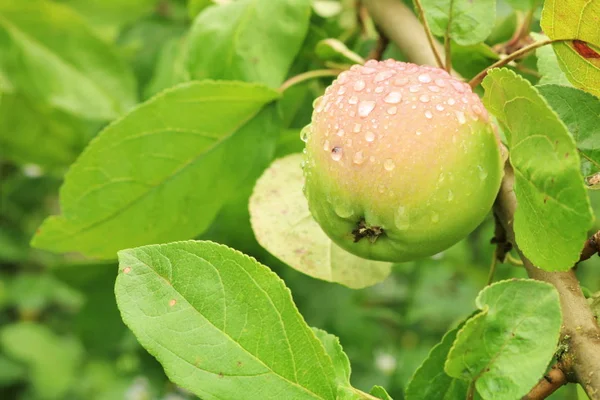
(436, 54)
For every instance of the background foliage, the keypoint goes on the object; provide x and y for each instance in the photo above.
(70, 69)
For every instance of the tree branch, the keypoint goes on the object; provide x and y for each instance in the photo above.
(399, 24)
(550, 383)
(582, 359)
(591, 247)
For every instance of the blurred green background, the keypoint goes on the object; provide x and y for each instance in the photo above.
(61, 335)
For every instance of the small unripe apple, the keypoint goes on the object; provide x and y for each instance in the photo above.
(401, 161)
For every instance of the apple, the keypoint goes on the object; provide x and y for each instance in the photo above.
(401, 161)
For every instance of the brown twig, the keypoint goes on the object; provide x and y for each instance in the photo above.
(550, 383)
(591, 247)
(382, 43)
(579, 323)
(501, 63)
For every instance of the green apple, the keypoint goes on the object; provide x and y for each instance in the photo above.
(401, 161)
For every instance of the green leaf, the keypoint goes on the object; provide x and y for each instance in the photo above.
(470, 60)
(284, 226)
(162, 172)
(548, 66)
(553, 213)
(380, 393)
(170, 68)
(33, 133)
(334, 350)
(327, 8)
(197, 6)
(336, 51)
(431, 381)
(248, 40)
(10, 371)
(53, 361)
(508, 346)
(524, 5)
(580, 111)
(576, 24)
(31, 293)
(468, 22)
(81, 75)
(222, 325)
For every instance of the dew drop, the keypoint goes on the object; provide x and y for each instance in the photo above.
(464, 100)
(476, 109)
(383, 75)
(359, 85)
(482, 172)
(365, 108)
(450, 195)
(440, 82)
(327, 106)
(304, 133)
(353, 100)
(389, 164)
(400, 81)
(424, 99)
(428, 114)
(458, 86)
(372, 159)
(358, 158)
(349, 142)
(434, 89)
(369, 136)
(343, 210)
(343, 77)
(439, 107)
(392, 110)
(326, 146)
(336, 153)
(461, 117)
(357, 128)
(451, 101)
(401, 218)
(367, 70)
(413, 89)
(381, 188)
(379, 89)
(442, 177)
(340, 132)
(435, 217)
(393, 98)
(418, 133)
(341, 90)
(424, 78)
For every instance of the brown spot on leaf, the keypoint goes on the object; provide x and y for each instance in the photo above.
(221, 375)
(172, 302)
(126, 270)
(584, 50)
(566, 155)
(545, 199)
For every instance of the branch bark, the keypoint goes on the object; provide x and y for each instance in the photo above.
(582, 360)
(403, 28)
(550, 383)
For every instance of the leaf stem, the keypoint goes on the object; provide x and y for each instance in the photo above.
(430, 39)
(501, 63)
(447, 42)
(492, 268)
(305, 76)
(471, 390)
